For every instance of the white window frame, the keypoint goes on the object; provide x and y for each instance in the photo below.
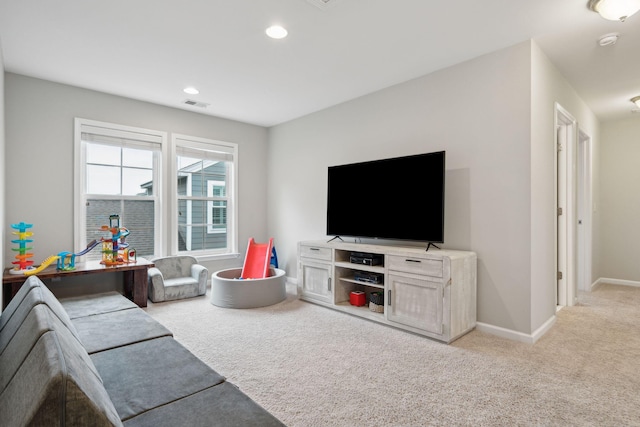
(146, 137)
(221, 150)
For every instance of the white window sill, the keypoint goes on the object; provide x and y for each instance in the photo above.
(216, 257)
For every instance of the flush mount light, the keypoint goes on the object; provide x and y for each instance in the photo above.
(614, 10)
(636, 100)
(276, 32)
(191, 90)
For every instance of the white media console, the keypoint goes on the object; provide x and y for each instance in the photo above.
(432, 293)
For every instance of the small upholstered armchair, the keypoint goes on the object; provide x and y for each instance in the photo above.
(176, 277)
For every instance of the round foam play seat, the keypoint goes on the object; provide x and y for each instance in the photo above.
(228, 290)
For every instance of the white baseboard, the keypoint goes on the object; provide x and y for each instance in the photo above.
(515, 335)
(602, 280)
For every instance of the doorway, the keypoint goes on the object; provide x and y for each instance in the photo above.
(584, 212)
(566, 206)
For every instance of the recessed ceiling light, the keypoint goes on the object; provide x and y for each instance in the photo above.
(191, 90)
(636, 100)
(276, 32)
(608, 39)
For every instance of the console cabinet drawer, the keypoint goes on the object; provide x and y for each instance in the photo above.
(315, 252)
(428, 267)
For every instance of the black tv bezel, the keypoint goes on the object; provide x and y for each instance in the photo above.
(375, 236)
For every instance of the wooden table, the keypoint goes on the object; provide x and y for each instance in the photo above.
(134, 278)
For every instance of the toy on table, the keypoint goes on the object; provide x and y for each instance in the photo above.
(115, 251)
(23, 262)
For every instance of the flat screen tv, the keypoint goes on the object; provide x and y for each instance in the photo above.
(401, 198)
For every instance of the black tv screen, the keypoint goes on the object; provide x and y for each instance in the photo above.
(400, 198)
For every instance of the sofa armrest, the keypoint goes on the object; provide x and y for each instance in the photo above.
(200, 273)
(153, 271)
(156, 284)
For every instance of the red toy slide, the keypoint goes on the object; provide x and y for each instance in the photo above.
(257, 260)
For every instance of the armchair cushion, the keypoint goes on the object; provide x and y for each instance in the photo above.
(176, 277)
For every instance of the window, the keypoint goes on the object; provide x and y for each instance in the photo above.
(205, 175)
(118, 174)
(189, 209)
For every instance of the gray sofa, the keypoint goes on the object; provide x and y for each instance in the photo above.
(102, 361)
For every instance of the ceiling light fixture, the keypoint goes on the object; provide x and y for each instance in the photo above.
(636, 100)
(191, 90)
(276, 32)
(614, 10)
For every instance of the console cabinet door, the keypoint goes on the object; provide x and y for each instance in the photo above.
(415, 301)
(316, 280)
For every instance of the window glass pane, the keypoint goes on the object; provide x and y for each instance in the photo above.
(125, 171)
(196, 238)
(136, 216)
(202, 224)
(137, 158)
(140, 220)
(216, 172)
(184, 162)
(137, 182)
(196, 184)
(198, 212)
(103, 179)
(103, 154)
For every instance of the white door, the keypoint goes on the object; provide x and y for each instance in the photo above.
(566, 176)
(561, 212)
(415, 302)
(584, 213)
(316, 280)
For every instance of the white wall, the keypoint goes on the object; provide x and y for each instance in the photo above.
(548, 87)
(479, 112)
(620, 200)
(39, 157)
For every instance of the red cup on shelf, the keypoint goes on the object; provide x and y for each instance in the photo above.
(357, 298)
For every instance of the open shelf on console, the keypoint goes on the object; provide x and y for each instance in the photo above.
(360, 311)
(361, 267)
(361, 283)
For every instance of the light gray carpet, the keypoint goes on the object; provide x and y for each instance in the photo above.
(312, 366)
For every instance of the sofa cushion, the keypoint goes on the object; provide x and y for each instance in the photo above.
(37, 322)
(181, 288)
(223, 405)
(91, 305)
(36, 293)
(142, 376)
(110, 330)
(56, 383)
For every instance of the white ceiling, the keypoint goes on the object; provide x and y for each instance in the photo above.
(151, 49)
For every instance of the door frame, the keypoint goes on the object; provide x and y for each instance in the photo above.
(565, 142)
(584, 211)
